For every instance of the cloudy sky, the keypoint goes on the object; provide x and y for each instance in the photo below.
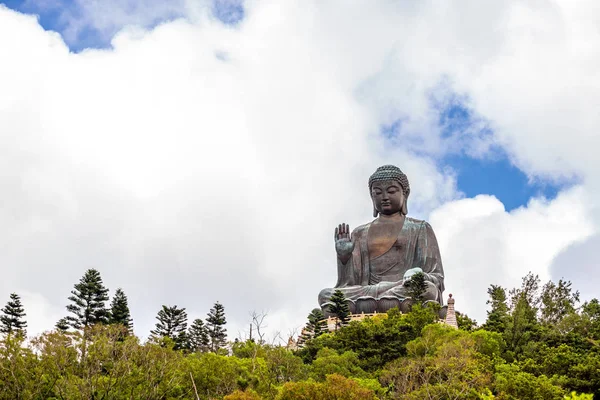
(204, 151)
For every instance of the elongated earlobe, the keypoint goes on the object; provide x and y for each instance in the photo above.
(404, 207)
(375, 212)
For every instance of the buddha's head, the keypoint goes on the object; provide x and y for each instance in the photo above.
(389, 191)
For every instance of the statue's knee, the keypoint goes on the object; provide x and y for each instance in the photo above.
(432, 292)
(325, 295)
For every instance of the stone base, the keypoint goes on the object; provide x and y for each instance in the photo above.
(371, 305)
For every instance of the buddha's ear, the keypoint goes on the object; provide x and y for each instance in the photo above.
(375, 212)
(404, 207)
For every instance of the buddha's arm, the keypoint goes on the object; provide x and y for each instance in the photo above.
(345, 248)
(344, 273)
(427, 256)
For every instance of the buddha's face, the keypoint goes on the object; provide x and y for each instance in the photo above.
(387, 196)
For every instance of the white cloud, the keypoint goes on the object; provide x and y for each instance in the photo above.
(482, 244)
(183, 178)
(197, 162)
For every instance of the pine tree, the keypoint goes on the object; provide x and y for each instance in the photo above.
(417, 286)
(557, 301)
(339, 308)
(497, 317)
(315, 327)
(215, 323)
(12, 319)
(62, 325)
(522, 322)
(119, 311)
(198, 336)
(88, 299)
(172, 323)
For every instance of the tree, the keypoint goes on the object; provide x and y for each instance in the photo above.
(62, 325)
(12, 318)
(198, 336)
(497, 317)
(335, 387)
(316, 325)
(417, 286)
(522, 321)
(88, 299)
(441, 364)
(465, 323)
(591, 310)
(215, 323)
(339, 308)
(557, 301)
(119, 311)
(172, 323)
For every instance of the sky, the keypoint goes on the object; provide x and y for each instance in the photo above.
(197, 151)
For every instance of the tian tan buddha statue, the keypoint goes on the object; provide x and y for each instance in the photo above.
(376, 261)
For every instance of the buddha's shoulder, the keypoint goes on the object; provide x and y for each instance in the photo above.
(360, 229)
(413, 222)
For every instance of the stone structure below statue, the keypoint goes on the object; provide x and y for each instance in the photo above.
(377, 260)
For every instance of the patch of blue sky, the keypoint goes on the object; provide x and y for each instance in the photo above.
(230, 12)
(57, 16)
(489, 171)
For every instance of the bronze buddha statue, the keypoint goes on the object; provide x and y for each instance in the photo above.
(376, 261)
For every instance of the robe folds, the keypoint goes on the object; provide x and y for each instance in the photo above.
(382, 276)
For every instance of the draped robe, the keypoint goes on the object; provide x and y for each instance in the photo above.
(382, 276)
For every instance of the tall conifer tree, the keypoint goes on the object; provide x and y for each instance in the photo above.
(215, 323)
(172, 323)
(119, 310)
(315, 327)
(417, 286)
(62, 325)
(339, 308)
(12, 320)
(198, 336)
(89, 298)
(497, 317)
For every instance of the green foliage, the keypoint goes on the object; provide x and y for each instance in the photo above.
(62, 325)
(198, 336)
(417, 286)
(336, 387)
(119, 311)
(465, 323)
(512, 383)
(315, 327)
(88, 301)
(376, 341)
(442, 363)
(339, 308)
(575, 396)
(243, 395)
(557, 301)
(522, 324)
(523, 351)
(421, 316)
(497, 317)
(215, 323)
(12, 320)
(172, 324)
(16, 363)
(591, 313)
(329, 362)
(216, 375)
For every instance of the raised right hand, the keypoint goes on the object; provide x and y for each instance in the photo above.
(343, 244)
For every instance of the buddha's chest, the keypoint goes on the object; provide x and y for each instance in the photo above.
(383, 239)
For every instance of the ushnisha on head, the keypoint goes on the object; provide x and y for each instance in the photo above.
(383, 183)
